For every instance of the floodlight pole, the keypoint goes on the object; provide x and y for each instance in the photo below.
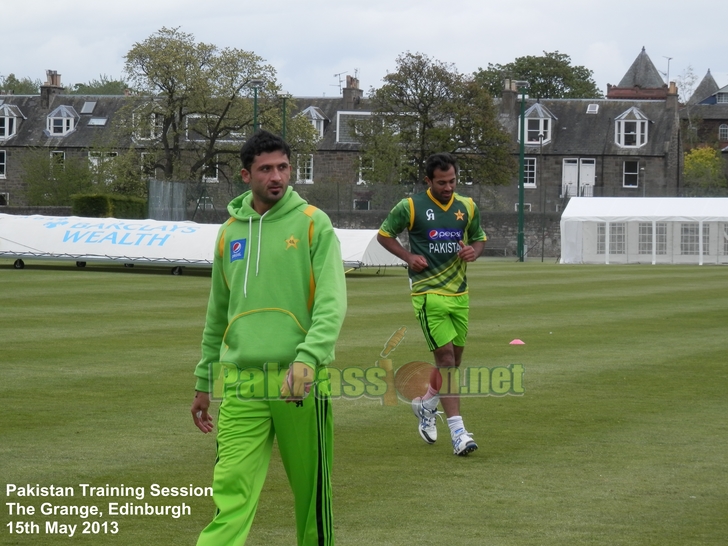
(522, 86)
(255, 83)
(284, 97)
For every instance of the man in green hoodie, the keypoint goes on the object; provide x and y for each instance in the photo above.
(277, 303)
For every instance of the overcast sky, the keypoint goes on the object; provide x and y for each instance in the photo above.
(310, 42)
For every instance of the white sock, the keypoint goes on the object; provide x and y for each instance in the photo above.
(456, 426)
(430, 399)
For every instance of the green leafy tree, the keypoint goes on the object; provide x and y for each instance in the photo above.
(704, 169)
(25, 86)
(551, 76)
(105, 85)
(194, 104)
(51, 179)
(426, 106)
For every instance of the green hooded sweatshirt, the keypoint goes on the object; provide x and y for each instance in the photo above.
(278, 288)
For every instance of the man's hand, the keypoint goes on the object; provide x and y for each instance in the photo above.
(467, 253)
(298, 382)
(200, 405)
(416, 262)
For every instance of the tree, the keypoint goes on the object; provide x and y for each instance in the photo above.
(193, 105)
(703, 169)
(24, 86)
(51, 178)
(550, 76)
(103, 86)
(424, 107)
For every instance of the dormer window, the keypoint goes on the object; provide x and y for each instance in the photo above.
(317, 118)
(10, 117)
(538, 124)
(721, 98)
(630, 130)
(61, 121)
(148, 125)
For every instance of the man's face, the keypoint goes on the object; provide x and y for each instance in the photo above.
(442, 185)
(268, 178)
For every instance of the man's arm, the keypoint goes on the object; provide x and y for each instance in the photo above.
(415, 262)
(470, 253)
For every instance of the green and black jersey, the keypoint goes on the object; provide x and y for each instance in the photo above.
(434, 232)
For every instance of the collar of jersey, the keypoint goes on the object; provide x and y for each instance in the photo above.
(443, 207)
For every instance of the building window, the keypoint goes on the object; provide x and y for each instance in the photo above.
(4, 199)
(304, 169)
(366, 171)
(617, 232)
(211, 171)
(148, 127)
(723, 132)
(362, 204)
(538, 124)
(631, 174)
(690, 238)
(529, 172)
(98, 162)
(721, 98)
(645, 238)
(631, 129)
(61, 121)
(7, 127)
(346, 126)
(10, 116)
(148, 165)
(205, 203)
(3, 164)
(526, 207)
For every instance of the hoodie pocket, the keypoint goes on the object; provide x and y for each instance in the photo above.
(263, 335)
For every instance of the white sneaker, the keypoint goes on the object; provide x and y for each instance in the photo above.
(428, 420)
(463, 444)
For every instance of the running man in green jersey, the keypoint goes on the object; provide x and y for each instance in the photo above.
(444, 234)
(277, 303)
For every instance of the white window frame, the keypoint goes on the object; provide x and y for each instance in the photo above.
(363, 178)
(8, 127)
(631, 129)
(529, 172)
(617, 237)
(155, 128)
(351, 135)
(542, 126)
(723, 132)
(626, 173)
(213, 164)
(690, 238)
(646, 238)
(3, 164)
(721, 98)
(205, 203)
(357, 201)
(304, 169)
(526, 207)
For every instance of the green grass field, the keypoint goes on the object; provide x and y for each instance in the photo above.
(621, 436)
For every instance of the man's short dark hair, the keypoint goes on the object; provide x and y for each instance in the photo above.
(442, 161)
(262, 142)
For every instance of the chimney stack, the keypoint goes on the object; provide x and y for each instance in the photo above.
(352, 93)
(50, 88)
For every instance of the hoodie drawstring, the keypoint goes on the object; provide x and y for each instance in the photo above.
(260, 243)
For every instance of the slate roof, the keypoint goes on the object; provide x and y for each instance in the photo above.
(578, 133)
(329, 107)
(32, 130)
(642, 74)
(706, 88)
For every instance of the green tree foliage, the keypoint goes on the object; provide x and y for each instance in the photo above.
(703, 168)
(24, 86)
(550, 76)
(105, 85)
(194, 104)
(425, 107)
(51, 179)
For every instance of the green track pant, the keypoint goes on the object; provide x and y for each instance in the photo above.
(246, 428)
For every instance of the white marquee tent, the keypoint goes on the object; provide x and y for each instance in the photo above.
(656, 230)
(152, 242)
